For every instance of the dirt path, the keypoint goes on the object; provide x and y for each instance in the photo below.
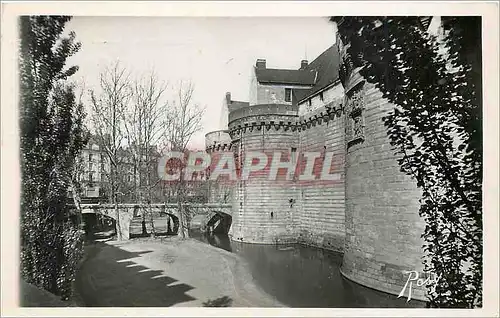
(166, 273)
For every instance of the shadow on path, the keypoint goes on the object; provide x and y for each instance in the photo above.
(110, 278)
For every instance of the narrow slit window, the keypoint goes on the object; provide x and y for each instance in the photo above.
(288, 94)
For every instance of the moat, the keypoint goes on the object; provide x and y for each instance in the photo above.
(303, 276)
(226, 273)
(167, 271)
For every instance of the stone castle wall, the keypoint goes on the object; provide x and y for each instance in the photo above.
(370, 213)
(322, 204)
(383, 227)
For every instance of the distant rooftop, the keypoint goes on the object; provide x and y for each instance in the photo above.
(281, 76)
(315, 76)
(327, 66)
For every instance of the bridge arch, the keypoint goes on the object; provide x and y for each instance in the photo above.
(171, 222)
(130, 217)
(97, 224)
(219, 222)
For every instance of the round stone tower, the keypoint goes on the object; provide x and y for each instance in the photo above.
(383, 227)
(216, 143)
(218, 140)
(263, 208)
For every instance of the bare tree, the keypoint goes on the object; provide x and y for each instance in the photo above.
(183, 121)
(109, 107)
(145, 125)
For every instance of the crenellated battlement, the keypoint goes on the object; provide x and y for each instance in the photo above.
(219, 147)
(321, 115)
(268, 118)
(263, 123)
(262, 110)
(218, 140)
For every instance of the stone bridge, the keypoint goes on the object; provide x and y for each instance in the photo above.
(204, 217)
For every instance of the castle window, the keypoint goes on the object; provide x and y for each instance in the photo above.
(91, 179)
(321, 96)
(309, 102)
(90, 157)
(293, 153)
(288, 94)
(293, 158)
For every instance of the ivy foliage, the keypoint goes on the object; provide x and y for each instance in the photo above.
(434, 81)
(52, 134)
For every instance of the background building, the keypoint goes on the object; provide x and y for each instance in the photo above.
(94, 166)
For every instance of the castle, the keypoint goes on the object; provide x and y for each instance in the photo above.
(370, 214)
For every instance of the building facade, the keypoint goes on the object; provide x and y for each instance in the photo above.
(132, 174)
(94, 167)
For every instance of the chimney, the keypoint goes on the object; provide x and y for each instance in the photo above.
(303, 64)
(261, 63)
(228, 98)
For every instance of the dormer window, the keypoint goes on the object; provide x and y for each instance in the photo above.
(288, 94)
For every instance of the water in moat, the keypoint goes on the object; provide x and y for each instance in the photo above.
(301, 276)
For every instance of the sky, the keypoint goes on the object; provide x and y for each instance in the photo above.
(216, 53)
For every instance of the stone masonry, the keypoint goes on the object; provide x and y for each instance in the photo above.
(370, 214)
(382, 226)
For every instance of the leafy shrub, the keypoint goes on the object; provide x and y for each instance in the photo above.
(52, 136)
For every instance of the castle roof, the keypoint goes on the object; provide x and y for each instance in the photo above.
(327, 67)
(317, 75)
(282, 76)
